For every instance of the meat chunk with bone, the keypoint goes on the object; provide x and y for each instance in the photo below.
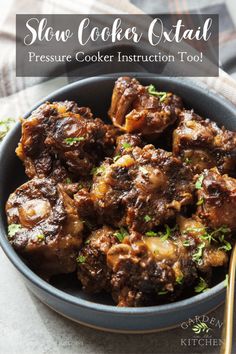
(217, 196)
(142, 189)
(167, 263)
(205, 245)
(143, 270)
(64, 135)
(203, 145)
(44, 226)
(136, 269)
(139, 109)
(148, 270)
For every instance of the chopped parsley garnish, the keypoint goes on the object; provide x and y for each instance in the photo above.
(126, 145)
(186, 243)
(5, 126)
(197, 256)
(187, 160)
(87, 242)
(179, 279)
(151, 233)
(72, 141)
(163, 235)
(147, 218)
(120, 235)
(13, 229)
(201, 201)
(198, 184)
(226, 245)
(81, 259)
(220, 233)
(210, 236)
(163, 292)
(152, 91)
(166, 235)
(98, 170)
(116, 158)
(68, 181)
(223, 230)
(80, 186)
(202, 286)
(40, 237)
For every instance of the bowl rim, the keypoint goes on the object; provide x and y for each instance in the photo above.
(72, 299)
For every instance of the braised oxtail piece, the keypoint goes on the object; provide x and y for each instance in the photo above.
(217, 199)
(145, 269)
(142, 109)
(201, 144)
(65, 136)
(143, 188)
(44, 226)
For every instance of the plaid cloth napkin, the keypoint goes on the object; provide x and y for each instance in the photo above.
(18, 95)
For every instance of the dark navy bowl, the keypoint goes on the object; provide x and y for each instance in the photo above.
(64, 296)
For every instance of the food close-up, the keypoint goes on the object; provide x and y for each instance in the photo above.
(141, 207)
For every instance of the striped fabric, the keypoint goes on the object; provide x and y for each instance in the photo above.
(17, 95)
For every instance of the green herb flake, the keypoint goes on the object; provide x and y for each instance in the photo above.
(81, 259)
(68, 181)
(163, 292)
(204, 234)
(208, 237)
(187, 160)
(72, 141)
(98, 170)
(5, 126)
(223, 230)
(202, 286)
(116, 158)
(152, 91)
(197, 256)
(226, 281)
(186, 243)
(13, 229)
(147, 218)
(215, 235)
(166, 235)
(201, 201)
(87, 242)
(40, 237)
(151, 234)
(179, 279)
(163, 235)
(220, 233)
(126, 145)
(198, 184)
(120, 235)
(226, 246)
